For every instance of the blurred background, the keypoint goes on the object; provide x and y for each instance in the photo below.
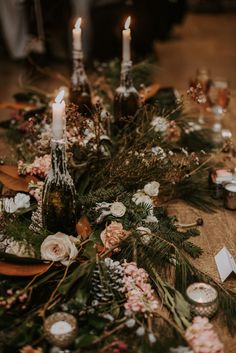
(182, 35)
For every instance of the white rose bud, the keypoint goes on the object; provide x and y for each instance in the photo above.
(59, 247)
(118, 209)
(152, 189)
(152, 339)
(130, 323)
(140, 331)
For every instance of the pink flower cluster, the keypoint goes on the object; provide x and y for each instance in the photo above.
(13, 298)
(140, 297)
(113, 234)
(202, 338)
(40, 166)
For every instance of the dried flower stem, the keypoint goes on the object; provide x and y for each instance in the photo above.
(109, 333)
(52, 297)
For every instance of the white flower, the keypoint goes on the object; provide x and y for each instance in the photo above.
(59, 247)
(8, 205)
(13, 247)
(130, 323)
(151, 219)
(109, 317)
(145, 232)
(152, 188)
(22, 200)
(159, 124)
(118, 209)
(152, 339)
(158, 151)
(140, 331)
(11, 205)
(141, 197)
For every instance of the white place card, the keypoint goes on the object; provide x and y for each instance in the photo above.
(225, 263)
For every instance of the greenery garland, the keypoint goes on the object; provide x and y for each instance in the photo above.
(164, 144)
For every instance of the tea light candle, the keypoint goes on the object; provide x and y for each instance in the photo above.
(230, 195)
(58, 116)
(203, 299)
(60, 329)
(126, 40)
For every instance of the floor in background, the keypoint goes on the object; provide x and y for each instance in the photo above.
(207, 40)
(203, 40)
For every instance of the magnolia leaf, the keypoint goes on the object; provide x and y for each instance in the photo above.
(81, 296)
(182, 306)
(151, 91)
(22, 270)
(90, 250)
(10, 258)
(83, 227)
(9, 178)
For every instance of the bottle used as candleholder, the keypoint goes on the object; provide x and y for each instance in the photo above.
(80, 91)
(126, 99)
(59, 206)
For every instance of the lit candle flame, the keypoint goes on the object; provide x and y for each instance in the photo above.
(127, 23)
(78, 23)
(60, 96)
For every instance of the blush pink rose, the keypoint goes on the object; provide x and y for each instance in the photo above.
(113, 234)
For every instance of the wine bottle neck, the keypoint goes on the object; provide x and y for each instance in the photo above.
(78, 66)
(58, 157)
(126, 74)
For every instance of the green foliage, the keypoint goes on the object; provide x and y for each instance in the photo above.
(18, 229)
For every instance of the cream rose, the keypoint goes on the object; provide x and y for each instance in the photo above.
(59, 247)
(152, 188)
(118, 209)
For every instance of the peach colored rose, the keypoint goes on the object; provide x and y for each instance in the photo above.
(113, 234)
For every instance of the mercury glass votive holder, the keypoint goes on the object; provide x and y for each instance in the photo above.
(203, 299)
(60, 329)
(230, 196)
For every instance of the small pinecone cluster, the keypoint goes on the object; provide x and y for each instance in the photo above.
(107, 282)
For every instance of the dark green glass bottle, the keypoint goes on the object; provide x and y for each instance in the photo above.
(59, 206)
(126, 99)
(80, 91)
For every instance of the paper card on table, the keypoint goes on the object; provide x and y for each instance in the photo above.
(225, 263)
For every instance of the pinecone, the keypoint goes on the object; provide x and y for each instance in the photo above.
(107, 282)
